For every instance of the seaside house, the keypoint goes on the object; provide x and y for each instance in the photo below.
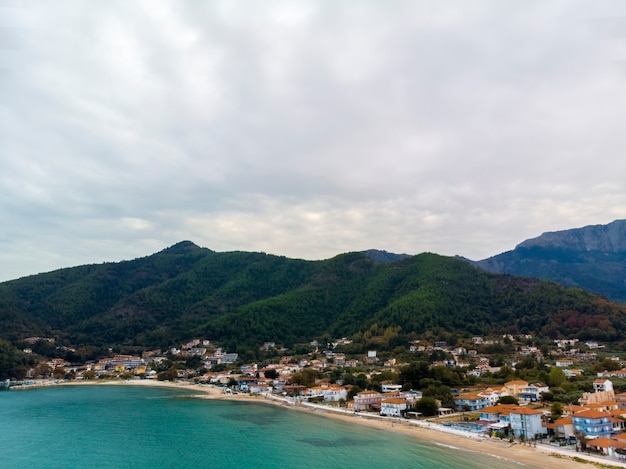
(497, 413)
(593, 423)
(497, 417)
(366, 400)
(526, 423)
(607, 446)
(330, 392)
(393, 407)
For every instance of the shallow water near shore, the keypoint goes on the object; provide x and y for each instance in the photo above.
(151, 427)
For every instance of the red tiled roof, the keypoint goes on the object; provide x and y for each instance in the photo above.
(525, 411)
(591, 414)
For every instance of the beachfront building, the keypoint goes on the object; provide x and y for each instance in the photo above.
(593, 423)
(526, 423)
(393, 407)
(366, 400)
(330, 392)
(497, 413)
(607, 446)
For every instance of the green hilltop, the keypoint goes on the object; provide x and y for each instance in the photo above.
(243, 299)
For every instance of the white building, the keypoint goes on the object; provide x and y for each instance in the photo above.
(392, 407)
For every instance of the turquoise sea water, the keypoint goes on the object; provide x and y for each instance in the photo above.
(149, 427)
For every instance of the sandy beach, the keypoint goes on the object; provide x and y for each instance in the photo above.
(542, 456)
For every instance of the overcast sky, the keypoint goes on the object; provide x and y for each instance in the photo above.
(305, 128)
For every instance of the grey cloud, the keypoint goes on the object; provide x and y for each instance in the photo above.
(304, 129)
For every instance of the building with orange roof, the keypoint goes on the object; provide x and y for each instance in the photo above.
(563, 427)
(606, 445)
(515, 387)
(393, 407)
(496, 413)
(593, 423)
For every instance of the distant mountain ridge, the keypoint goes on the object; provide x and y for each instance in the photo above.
(610, 238)
(592, 257)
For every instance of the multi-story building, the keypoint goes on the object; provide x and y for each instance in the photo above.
(593, 423)
(526, 423)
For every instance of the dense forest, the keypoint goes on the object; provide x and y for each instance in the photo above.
(243, 299)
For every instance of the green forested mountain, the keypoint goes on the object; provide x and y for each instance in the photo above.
(243, 299)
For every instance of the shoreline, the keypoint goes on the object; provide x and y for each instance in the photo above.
(542, 456)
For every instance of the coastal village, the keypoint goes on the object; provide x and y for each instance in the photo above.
(485, 405)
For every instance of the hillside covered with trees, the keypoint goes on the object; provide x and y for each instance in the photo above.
(243, 299)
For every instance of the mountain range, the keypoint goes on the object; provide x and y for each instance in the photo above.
(243, 299)
(592, 258)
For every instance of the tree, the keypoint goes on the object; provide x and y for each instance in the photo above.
(556, 410)
(306, 377)
(270, 374)
(59, 372)
(556, 377)
(169, 375)
(508, 400)
(427, 406)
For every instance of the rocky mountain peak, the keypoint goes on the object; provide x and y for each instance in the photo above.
(604, 238)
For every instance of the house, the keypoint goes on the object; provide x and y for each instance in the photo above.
(526, 423)
(330, 393)
(562, 428)
(532, 392)
(496, 418)
(496, 413)
(393, 407)
(593, 423)
(366, 400)
(613, 374)
(606, 445)
(493, 394)
(602, 385)
(564, 363)
(515, 387)
(572, 372)
(603, 391)
(390, 387)
(470, 402)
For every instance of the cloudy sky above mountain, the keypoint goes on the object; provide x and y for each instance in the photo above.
(305, 128)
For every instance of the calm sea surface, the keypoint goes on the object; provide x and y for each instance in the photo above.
(146, 427)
